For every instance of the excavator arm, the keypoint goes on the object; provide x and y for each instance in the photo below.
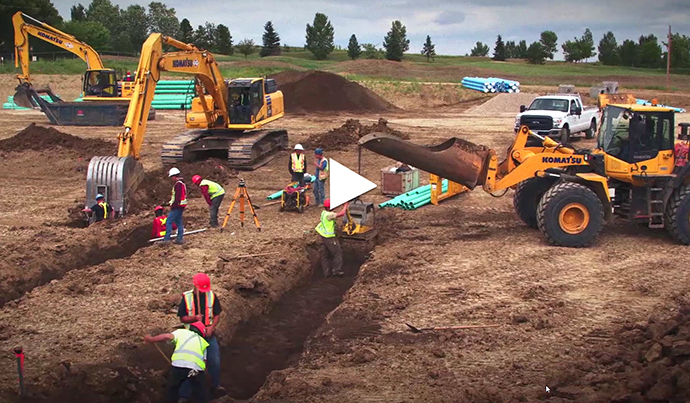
(43, 31)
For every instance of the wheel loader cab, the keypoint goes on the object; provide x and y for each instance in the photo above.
(100, 83)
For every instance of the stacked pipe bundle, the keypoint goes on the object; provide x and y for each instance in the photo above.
(413, 199)
(11, 105)
(173, 94)
(491, 84)
(649, 103)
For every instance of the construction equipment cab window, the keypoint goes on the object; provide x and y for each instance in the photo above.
(634, 137)
(247, 98)
(100, 83)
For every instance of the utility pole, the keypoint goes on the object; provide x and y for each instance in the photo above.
(668, 61)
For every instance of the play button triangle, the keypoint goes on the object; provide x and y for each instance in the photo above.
(346, 184)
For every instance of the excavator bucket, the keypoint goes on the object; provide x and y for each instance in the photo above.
(455, 159)
(22, 97)
(116, 178)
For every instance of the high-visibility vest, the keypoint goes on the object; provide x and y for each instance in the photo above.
(323, 173)
(297, 162)
(183, 198)
(326, 227)
(163, 220)
(105, 209)
(214, 189)
(189, 348)
(191, 309)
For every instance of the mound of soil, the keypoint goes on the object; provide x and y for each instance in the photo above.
(349, 134)
(42, 138)
(320, 91)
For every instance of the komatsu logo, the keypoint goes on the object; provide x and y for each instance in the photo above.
(50, 37)
(185, 63)
(561, 160)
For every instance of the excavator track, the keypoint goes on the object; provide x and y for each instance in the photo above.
(244, 150)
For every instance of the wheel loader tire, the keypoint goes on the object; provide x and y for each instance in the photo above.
(678, 215)
(589, 133)
(527, 196)
(570, 214)
(565, 134)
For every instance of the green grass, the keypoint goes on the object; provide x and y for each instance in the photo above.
(66, 66)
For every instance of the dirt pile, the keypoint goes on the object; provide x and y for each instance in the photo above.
(319, 91)
(504, 103)
(42, 138)
(348, 134)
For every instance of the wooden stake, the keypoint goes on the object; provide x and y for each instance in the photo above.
(162, 353)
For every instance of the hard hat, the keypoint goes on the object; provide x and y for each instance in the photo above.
(196, 179)
(99, 196)
(202, 282)
(173, 172)
(299, 147)
(200, 327)
(318, 151)
(327, 204)
(158, 208)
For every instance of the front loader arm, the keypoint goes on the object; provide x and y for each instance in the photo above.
(54, 36)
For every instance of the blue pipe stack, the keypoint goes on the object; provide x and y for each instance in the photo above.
(413, 199)
(649, 103)
(491, 84)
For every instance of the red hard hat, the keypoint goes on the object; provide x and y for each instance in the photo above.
(202, 282)
(158, 208)
(196, 179)
(200, 326)
(327, 204)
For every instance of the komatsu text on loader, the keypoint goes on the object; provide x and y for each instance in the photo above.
(226, 120)
(568, 193)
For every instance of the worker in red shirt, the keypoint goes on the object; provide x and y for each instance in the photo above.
(177, 204)
(213, 193)
(158, 229)
(680, 152)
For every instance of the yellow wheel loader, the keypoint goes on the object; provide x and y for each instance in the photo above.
(569, 193)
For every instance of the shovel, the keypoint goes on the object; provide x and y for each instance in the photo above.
(421, 329)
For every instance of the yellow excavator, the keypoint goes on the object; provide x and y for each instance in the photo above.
(566, 192)
(226, 120)
(99, 83)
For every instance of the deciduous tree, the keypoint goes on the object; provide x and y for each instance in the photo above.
(608, 50)
(480, 50)
(246, 47)
(549, 43)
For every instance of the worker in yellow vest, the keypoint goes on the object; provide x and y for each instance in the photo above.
(188, 360)
(201, 305)
(330, 247)
(213, 193)
(298, 164)
(101, 210)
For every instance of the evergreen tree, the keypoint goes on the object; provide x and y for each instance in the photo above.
(549, 43)
(429, 49)
(629, 53)
(353, 48)
(246, 47)
(499, 50)
(608, 50)
(77, 13)
(586, 44)
(511, 50)
(320, 37)
(649, 51)
(186, 31)
(522, 50)
(537, 53)
(271, 41)
(223, 40)
(396, 42)
(371, 52)
(480, 50)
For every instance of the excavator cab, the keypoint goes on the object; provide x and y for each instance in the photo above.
(100, 83)
(249, 99)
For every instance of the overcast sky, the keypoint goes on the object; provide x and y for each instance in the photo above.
(454, 26)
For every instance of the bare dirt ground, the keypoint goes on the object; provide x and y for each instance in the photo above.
(580, 321)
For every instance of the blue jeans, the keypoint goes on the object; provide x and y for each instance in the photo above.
(319, 191)
(175, 216)
(212, 368)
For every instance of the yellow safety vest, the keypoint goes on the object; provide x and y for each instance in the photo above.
(105, 209)
(191, 311)
(163, 221)
(189, 347)
(297, 162)
(214, 189)
(326, 227)
(183, 201)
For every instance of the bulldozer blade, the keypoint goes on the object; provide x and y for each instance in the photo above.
(21, 96)
(455, 159)
(114, 177)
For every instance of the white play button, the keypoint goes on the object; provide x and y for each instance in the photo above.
(345, 184)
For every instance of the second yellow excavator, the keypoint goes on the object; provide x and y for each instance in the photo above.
(226, 120)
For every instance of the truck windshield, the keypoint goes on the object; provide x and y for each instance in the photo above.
(549, 104)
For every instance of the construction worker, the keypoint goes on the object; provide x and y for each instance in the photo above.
(177, 204)
(201, 305)
(297, 164)
(158, 228)
(321, 173)
(101, 210)
(330, 245)
(188, 360)
(213, 193)
(128, 76)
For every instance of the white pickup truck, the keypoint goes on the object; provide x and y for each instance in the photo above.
(559, 116)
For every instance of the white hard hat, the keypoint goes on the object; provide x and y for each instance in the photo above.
(299, 147)
(173, 172)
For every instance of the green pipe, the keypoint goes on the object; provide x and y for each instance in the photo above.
(279, 193)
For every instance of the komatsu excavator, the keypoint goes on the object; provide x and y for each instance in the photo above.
(225, 117)
(566, 192)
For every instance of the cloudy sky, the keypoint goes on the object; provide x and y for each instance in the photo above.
(454, 25)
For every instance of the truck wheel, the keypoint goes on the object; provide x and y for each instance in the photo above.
(678, 215)
(570, 214)
(565, 134)
(527, 196)
(589, 133)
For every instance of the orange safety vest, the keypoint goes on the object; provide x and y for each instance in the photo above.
(191, 308)
(297, 162)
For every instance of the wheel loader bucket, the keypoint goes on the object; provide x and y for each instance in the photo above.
(455, 159)
(115, 178)
(22, 97)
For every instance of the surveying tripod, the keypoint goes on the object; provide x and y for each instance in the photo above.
(242, 193)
